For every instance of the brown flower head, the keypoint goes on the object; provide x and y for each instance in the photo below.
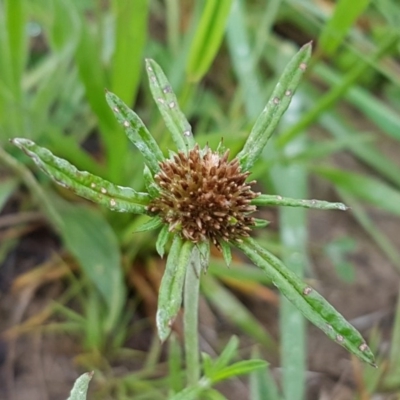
(204, 197)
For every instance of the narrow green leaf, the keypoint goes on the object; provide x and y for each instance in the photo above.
(162, 240)
(151, 224)
(261, 223)
(204, 254)
(267, 200)
(239, 368)
(190, 393)
(167, 103)
(291, 180)
(151, 187)
(207, 364)
(213, 394)
(241, 51)
(16, 17)
(276, 106)
(345, 14)
(208, 38)
(226, 252)
(392, 374)
(136, 132)
(372, 107)
(262, 385)
(91, 187)
(309, 302)
(368, 153)
(227, 353)
(65, 27)
(81, 386)
(93, 76)
(175, 368)
(171, 289)
(131, 18)
(328, 100)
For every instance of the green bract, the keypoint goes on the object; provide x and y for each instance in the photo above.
(169, 182)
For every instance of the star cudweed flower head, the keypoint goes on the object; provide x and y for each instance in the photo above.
(203, 196)
(199, 197)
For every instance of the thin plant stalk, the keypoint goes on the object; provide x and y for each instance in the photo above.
(191, 318)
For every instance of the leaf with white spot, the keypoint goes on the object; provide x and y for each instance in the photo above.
(273, 200)
(162, 240)
(171, 289)
(313, 306)
(136, 131)
(167, 103)
(276, 106)
(204, 249)
(226, 252)
(81, 386)
(91, 187)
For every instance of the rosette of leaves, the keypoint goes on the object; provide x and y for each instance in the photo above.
(199, 197)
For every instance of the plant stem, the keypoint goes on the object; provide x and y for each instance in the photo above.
(191, 318)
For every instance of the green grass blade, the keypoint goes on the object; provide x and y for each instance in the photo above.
(208, 38)
(345, 14)
(291, 180)
(392, 377)
(276, 106)
(239, 368)
(338, 91)
(16, 18)
(364, 151)
(277, 200)
(171, 289)
(382, 241)
(371, 106)
(243, 64)
(13, 57)
(91, 240)
(136, 131)
(167, 103)
(81, 386)
(93, 77)
(131, 19)
(227, 353)
(262, 385)
(91, 187)
(313, 306)
(64, 26)
(175, 370)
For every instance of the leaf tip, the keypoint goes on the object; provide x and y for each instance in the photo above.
(21, 142)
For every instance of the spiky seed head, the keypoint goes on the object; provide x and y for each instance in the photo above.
(203, 196)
